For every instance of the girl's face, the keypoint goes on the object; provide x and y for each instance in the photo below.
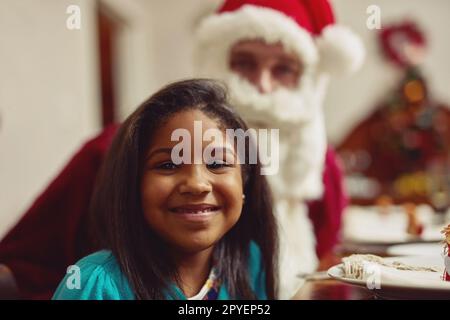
(191, 206)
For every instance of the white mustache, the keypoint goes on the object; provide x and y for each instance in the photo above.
(287, 107)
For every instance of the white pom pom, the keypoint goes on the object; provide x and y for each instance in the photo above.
(341, 51)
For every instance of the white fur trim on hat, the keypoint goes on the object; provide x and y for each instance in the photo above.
(341, 51)
(218, 33)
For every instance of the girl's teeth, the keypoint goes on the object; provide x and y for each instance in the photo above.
(197, 211)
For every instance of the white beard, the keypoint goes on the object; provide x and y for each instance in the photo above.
(299, 117)
(284, 108)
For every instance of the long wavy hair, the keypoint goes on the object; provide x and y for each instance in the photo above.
(119, 223)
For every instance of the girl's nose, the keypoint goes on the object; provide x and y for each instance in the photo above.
(195, 181)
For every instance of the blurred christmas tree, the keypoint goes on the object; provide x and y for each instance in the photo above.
(402, 149)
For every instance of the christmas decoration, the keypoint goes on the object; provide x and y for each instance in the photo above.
(406, 140)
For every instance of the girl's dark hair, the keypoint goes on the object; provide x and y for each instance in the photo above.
(119, 223)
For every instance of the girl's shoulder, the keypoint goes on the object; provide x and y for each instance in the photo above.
(256, 271)
(102, 258)
(255, 258)
(94, 277)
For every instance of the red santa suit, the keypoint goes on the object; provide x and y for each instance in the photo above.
(53, 233)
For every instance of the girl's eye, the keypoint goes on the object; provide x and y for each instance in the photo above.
(217, 164)
(167, 166)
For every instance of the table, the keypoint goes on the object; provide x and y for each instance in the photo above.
(332, 290)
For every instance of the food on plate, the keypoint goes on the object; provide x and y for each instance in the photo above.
(357, 265)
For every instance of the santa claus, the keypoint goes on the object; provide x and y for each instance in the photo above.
(276, 56)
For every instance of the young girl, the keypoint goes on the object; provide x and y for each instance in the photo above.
(178, 230)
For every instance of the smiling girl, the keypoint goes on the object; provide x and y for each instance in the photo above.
(178, 231)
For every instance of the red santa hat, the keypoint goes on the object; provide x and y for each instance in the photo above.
(306, 27)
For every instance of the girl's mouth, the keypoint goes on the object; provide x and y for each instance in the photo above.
(195, 213)
(195, 209)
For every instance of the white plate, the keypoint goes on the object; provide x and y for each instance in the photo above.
(405, 284)
(365, 225)
(416, 249)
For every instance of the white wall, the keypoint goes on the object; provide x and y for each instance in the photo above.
(49, 89)
(173, 25)
(137, 59)
(48, 100)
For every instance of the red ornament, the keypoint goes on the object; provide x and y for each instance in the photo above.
(402, 43)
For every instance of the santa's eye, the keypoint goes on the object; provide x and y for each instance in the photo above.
(243, 65)
(282, 70)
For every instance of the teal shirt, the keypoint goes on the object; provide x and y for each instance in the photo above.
(102, 279)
